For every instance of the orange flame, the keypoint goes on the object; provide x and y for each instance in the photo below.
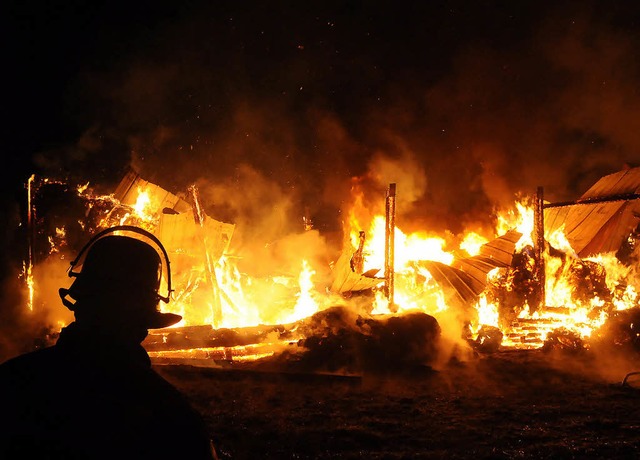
(282, 298)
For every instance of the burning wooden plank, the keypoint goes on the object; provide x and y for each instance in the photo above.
(180, 338)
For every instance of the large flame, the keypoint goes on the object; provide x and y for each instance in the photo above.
(214, 290)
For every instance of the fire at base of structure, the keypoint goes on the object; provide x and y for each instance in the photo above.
(515, 290)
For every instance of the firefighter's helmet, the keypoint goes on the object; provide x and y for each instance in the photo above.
(120, 277)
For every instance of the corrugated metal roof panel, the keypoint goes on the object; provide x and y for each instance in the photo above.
(599, 227)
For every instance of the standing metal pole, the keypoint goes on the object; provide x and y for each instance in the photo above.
(389, 245)
(539, 244)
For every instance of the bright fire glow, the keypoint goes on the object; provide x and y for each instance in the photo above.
(305, 305)
(27, 274)
(472, 243)
(142, 204)
(520, 219)
(211, 288)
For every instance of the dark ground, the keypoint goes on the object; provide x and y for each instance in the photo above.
(518, 404)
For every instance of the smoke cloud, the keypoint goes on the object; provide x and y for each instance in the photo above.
(553, 107)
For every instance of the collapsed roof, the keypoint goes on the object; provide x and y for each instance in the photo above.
(598, 222)
(594, 227)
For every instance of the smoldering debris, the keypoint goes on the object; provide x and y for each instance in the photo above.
(336, 340)
(622, 331)
(619, 334)
(563, 339)
(488, 340)
(339, 340)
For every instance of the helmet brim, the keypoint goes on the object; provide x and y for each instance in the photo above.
(160, 320)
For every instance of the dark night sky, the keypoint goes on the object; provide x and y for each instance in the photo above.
(464, 104)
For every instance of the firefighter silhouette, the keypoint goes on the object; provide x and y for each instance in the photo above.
(94, 394)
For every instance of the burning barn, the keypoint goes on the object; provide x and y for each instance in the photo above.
(553, 274)
(264, 140)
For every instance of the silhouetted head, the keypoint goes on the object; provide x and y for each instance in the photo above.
(118, 286)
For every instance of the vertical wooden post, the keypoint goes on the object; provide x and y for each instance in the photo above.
(539, 243)
(31, 241)
(199, 216)
(389, 244)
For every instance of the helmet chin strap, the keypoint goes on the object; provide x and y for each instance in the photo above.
(119, 228)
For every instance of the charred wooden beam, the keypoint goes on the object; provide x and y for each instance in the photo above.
(229, 354)
(539, 245)
(192, 337)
